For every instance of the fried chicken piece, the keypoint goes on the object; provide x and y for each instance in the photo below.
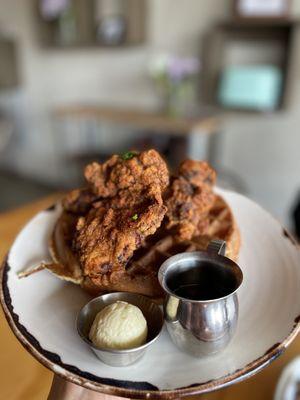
(189, 199)
(106, 238)
(79, 201)
(132, 171)
(130, 208)
(115, 177)
(198, 173)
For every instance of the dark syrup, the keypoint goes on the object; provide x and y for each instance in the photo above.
(200, 292)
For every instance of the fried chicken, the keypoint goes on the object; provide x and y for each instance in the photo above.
(106, 238)
(79, 201)
(131, 172)
(129, 208)
(114, 234)
(119, 181)
(189, 199)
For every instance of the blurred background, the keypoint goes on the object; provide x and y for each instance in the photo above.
(209, 79)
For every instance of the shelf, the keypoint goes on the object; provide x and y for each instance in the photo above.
(262, 22)
(255, 30)
(79, 29)
(273, 32)
(9, 77)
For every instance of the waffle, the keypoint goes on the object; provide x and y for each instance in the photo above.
(162, 245)
(142, 269)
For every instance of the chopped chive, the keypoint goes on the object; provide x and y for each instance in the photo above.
(129, 155)
(134, 217)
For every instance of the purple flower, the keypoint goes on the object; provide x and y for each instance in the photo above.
(51, 9)
(181, 68)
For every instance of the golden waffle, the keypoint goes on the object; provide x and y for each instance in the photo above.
(162, 245)
(141, 276)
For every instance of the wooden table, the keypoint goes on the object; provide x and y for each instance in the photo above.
(206, 122)
(23, 378)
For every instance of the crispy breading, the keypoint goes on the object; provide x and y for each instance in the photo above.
(122, 179)
(130, 208)
(189, 199)
(79, 201)
(106, 238)
(132, 171)
(198, 173)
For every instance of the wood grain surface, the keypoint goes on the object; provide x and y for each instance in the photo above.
(206, 122)
(23, 378)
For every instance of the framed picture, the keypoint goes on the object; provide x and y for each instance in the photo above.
(262, 8)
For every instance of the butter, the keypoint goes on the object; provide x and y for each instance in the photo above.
(119, 326)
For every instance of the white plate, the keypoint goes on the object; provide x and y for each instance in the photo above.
(41, 310)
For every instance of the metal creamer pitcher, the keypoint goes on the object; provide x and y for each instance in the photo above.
(201, 306)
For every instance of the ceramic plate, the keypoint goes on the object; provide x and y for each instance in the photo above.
(41, 311)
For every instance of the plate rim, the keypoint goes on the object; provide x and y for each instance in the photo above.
(31, 344)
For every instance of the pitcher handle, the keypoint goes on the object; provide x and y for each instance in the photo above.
(217, 246)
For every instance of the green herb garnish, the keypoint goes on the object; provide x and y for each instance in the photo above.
(134, 217)
(129, 155)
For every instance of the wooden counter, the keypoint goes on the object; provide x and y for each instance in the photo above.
(206, 122)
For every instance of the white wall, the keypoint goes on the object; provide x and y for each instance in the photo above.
(263, 149)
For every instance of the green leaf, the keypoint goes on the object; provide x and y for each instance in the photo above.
(134, 217)
(129, 155)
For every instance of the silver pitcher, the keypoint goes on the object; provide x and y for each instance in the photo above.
(201, 306)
